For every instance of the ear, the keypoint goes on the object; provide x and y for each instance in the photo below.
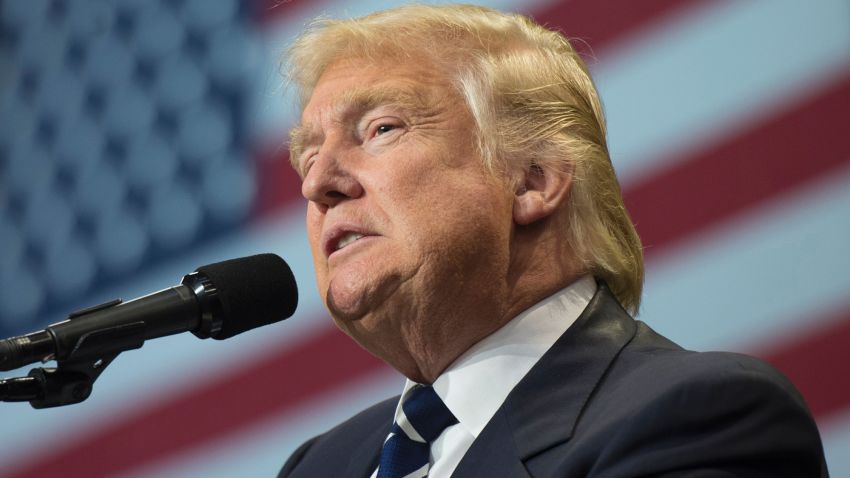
(540, 192)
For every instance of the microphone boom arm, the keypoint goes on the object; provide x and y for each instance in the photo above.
(67, 384)
(72, 380)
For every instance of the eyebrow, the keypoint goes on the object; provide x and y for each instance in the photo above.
(353, 103)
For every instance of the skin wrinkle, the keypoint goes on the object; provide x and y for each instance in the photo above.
(356, 103)
(450, 261)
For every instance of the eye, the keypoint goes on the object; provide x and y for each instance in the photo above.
(384, 128)
(381, 128)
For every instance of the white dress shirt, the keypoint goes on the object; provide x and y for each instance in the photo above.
(479, 381)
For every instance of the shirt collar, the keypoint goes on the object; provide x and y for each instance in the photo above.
(479, 381)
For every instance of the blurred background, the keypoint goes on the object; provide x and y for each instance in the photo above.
(140, 139)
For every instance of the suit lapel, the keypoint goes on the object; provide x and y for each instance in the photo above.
(363, 460)
(493, 453)
(542, 410)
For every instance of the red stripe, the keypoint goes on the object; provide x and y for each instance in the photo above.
(278, 185)
(285, 380)
(268, 11)
(600, 24)
(697, 192)
(597, 22)
(816, 362)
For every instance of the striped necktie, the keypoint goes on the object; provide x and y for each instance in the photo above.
(406, 451)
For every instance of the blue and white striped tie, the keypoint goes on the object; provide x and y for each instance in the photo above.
(406, 451)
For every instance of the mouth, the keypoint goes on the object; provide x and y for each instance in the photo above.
(342, 238)
(347, 239)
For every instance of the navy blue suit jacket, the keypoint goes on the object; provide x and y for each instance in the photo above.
(612, 398)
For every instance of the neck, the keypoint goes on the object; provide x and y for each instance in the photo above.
(540, 265)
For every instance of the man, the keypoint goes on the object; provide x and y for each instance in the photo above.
(467, 228)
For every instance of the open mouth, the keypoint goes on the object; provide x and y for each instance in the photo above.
(347, 239)
(342, 238)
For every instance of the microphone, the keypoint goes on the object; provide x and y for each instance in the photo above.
(217, 300)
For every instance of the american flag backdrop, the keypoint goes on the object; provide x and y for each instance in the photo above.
(140, 139)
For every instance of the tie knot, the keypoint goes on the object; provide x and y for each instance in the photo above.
(427, 414)
(422, 419)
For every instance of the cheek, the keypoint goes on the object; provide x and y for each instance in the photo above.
(458, 223)
(314, 236)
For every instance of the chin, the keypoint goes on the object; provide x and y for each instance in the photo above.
(357, 289)
(344, 307)
(360, 325)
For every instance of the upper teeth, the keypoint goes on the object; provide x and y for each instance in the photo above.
(347, 239)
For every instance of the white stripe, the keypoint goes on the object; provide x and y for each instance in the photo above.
(713, 70)
(763, 275)
(836, 441)
(420, 473)
(408, 429)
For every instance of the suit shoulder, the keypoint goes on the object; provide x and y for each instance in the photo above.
(660, 365)
(697, 409)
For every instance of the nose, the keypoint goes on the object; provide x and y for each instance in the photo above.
(329, 181)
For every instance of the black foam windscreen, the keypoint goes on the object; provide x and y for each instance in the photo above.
(254, 291)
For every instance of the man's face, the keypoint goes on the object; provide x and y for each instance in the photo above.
(409, 233)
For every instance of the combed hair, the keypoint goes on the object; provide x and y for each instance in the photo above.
(532, 99)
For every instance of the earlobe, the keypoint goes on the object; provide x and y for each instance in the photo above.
(540, 192)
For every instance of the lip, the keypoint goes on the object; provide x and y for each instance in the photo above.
(332, 236)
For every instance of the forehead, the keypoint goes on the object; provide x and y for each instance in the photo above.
(347, 90)
(336, 101)
(361, 84)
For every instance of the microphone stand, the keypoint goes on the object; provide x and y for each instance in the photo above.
(71, 381)
(68, 383)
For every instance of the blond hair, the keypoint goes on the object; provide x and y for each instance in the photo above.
(532, 99)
